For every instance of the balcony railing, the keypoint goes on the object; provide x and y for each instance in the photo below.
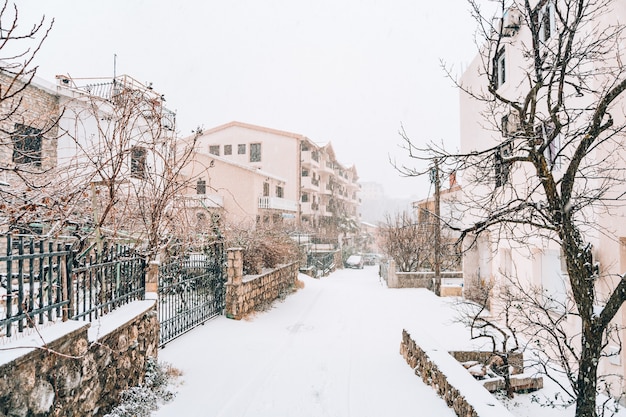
(277, 203)
(204, 201)
(310, 183)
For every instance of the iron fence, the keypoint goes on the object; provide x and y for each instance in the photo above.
(43, 281)
(103, 282)
(191, 291)
(34, 279)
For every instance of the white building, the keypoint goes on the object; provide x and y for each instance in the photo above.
(519, 251)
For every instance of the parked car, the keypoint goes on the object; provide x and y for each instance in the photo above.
(354, 261)
(371, 258)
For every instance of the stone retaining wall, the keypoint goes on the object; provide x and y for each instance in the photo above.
(77, 368)
(516, 359)
(251, 293)
(424, 279)
(461, 392)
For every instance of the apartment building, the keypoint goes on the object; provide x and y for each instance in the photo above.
(232, 193)
(73, 145)
(325, 192)
(535, 259)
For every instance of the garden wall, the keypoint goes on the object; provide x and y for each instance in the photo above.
(451, 280)
(78, 368)
(245, 294)
(461, 392)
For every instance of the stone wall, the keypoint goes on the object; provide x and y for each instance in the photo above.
(516, 359)
(82, 368)
(39, 108)
(461, 392)
(255, 292)
(424, 279)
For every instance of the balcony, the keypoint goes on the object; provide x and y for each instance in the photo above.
(325, 211)
(310, 158)
(310, 183)
(204, 201)
(309, 208)
(277, 203)
(328, 167)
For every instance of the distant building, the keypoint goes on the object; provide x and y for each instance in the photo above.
(449, 218)
(325, 191)
(234, 193)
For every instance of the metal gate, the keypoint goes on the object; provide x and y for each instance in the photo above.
(191, 291)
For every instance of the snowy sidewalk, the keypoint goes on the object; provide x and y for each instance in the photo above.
(331, 349)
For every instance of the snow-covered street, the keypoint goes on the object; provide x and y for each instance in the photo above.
(330, 349)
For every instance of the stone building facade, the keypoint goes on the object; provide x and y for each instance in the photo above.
(30, 112)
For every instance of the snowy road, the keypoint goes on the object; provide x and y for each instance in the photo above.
(331, 349)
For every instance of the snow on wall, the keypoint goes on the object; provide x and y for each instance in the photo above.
(450, 379)
(69, 369)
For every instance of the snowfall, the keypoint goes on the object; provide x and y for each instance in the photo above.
(329, 349)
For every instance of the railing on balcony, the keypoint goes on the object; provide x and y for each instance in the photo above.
(204, 201)
(277, 203)
(116, 89)
(310, 183)
(310, 158)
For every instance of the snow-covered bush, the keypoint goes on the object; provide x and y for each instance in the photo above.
(140, 401)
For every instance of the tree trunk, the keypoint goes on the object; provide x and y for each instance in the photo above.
(588, 370)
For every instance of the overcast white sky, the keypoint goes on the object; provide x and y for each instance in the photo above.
(346, 71)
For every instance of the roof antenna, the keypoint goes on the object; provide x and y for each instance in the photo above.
(114, 67)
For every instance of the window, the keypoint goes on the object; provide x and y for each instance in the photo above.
(500, 68)
(255, 152)
(545, 134)
(201, 187)
(138, 162)
(305, 172)
(305, 197)
(266, 189)
(501, 164)
(241, 149)
(214, 150)
(26, 145)
(228, 149)
(510, 123)
(552, 279)
(547, 24)
(279, 191)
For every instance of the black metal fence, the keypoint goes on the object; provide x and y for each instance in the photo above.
(43, 281)
(102, 283)
(191, 291)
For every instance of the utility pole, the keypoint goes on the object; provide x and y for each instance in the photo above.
(437, 265)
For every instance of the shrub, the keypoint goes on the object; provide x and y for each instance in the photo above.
(140, 401)
(262, 248)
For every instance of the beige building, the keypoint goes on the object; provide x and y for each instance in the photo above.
(324, 192)
(497, 256)
(234, 193)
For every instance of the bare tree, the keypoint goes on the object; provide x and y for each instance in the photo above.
(552, 165)
(501, 330)
(160, 187)
(124, 160)
(27, 132)
(405, 241)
